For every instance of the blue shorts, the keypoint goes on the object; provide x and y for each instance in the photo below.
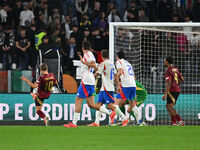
(127, 93)
(106, 97)
(85, 91)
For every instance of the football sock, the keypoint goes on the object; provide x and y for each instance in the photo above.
(173, 118)
(104, 110)
(137, 114)
(97, 117)
(178, 118)
(76, 117)
(41, 114)
(119, 112)
(122, 109)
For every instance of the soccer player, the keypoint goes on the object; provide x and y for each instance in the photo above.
(86, 88)
(173, 78)
(128, 86)
(44, 83)
(141, 96)
(106, 96)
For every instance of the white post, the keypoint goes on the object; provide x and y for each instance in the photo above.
(111, 42)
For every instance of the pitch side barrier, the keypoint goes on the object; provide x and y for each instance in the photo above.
(19, 109)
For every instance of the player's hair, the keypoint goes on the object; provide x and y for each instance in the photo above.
(105, 53)
(169, 59)
(86, 45)
(121, 54)
(43, 67)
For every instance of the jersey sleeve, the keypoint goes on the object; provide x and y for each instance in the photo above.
(100, 68)
(118, 65)
(167, 76)
(89, 57)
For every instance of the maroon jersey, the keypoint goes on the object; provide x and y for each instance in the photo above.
(46, 82)
(173, 75)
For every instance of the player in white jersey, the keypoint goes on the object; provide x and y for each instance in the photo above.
(106, 96)
(128, 86)
(86, 89)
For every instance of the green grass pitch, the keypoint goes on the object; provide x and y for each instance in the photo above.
(99, 138)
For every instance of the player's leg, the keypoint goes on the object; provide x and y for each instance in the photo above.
(169, 108)
(81, 95)
(97, 117)
(177, 116)
(92, 104)
(38, 104)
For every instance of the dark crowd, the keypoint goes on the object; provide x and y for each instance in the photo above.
(48, 25)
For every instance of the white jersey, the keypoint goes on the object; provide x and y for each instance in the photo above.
(87, 72)
(127, 77)
(107, 71)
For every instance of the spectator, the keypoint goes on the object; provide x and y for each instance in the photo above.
(26, 14)
(105, 39)
(7, 49)
(96, 11)
(69, 7)
(163, 7)
(16, 13)
(70, 53)
(56, 14)
(196, 12)
(113, 17)
(23, 44)
(6, 15)
(40, 21)
(55, 39)
(76, 34)
(131, 17)
(47, 49)
(39, 35)
(120, 6)
(33, 53)
(142, 16)
(133, 10)
(44, 8)
(81, 8)
(66, 27)
(53, 25)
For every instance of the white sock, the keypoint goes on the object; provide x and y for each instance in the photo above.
(137, 114)
(76, 117)
(97, 117)
(120, 113)
(104, 110)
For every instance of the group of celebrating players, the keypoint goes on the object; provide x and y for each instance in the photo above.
(128, 89)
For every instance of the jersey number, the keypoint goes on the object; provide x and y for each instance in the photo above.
(130, 70)
(112, 73)
(48, 86)
(176, 78)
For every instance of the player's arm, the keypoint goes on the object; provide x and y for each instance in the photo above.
(168, 85)
(180, 79)
(120, 71)
(116, 79)
(89, 64)
(33, 85)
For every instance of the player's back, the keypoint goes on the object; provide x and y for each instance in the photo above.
(128, 76)
(107, 71)
(172, 74)
(46, 82)
(87, 72)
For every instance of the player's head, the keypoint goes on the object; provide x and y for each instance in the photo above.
(86, 45)
(43, 67)
(105, 54)
(120, 55)
(168, 60)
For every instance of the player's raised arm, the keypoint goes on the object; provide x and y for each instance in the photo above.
(33, 85)
(89, 64)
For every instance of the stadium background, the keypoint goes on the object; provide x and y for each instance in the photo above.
(63, 21)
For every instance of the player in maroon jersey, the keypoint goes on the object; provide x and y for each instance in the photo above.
(44, 83)
(173, 78)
